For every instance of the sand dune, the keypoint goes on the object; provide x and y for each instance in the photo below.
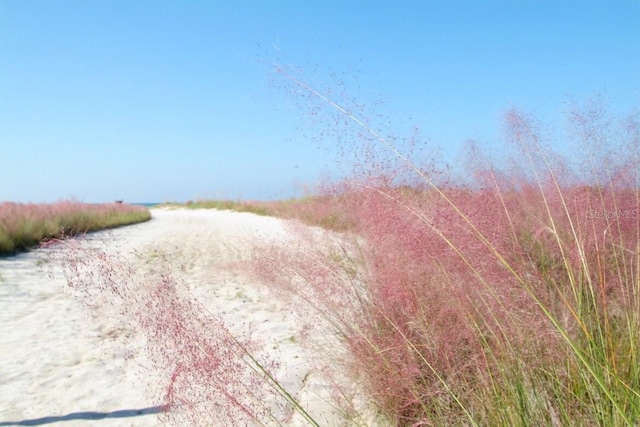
(61, 363)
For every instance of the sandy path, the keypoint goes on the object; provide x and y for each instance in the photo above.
(59, 366)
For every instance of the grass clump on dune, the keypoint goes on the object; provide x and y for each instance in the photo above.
(23, 226)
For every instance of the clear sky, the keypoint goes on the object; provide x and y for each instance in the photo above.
(172, 100)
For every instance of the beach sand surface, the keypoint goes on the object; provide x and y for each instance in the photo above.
(64, 363)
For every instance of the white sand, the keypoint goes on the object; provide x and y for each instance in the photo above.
(61, 366)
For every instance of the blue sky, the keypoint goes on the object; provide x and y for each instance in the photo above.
(174, 100)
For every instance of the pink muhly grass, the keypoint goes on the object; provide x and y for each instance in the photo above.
(511, 299)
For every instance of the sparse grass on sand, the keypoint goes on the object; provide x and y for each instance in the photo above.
(23, 226)
(318, 210)
(257, 208)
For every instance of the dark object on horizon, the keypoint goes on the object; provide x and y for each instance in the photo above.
(119, 201)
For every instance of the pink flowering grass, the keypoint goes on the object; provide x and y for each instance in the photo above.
(511, 297)
(323, 210)
(468, 300)
(23, 226)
